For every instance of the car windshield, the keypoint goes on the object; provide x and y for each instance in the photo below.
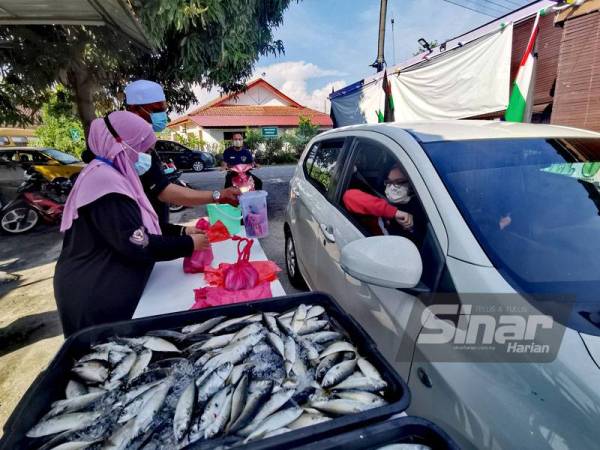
(533, 205)
(63, 158)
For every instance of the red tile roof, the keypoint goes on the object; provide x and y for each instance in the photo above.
(254, 116)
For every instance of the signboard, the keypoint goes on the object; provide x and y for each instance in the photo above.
(75, 134)
(269, 132)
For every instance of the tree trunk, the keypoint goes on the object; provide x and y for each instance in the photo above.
(83, 87)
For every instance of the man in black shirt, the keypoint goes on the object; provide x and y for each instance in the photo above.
(147, 100)
(238, 154)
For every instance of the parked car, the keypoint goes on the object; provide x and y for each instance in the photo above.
(51, 163)
(507, 209)
(183, 157)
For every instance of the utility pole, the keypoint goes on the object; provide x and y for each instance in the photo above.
(380, 61)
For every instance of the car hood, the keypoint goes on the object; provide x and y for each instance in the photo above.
(62, 171)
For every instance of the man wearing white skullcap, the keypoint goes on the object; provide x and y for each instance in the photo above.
(147, 100)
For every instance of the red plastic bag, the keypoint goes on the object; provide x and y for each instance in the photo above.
(267, 271)
(198, 261)
(241, 275)
(218, 232)
(213, 296)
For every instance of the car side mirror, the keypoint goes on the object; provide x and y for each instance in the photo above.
(387, 261)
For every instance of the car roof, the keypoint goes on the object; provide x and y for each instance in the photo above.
(459, 130)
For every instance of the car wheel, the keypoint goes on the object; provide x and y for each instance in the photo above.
(291, 264)
(19, 219)
(198, 166)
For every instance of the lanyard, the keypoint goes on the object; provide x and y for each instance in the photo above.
(105, 161)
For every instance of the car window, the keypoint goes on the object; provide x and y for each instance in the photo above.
(7, 155)
(164, 146)
(321, 167)
(372, 168)
(4, 140)
(36, 157)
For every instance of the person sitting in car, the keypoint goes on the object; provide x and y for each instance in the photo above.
(399, 213)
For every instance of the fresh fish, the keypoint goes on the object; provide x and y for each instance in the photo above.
(154, 343)
(322, 337)
(336, 347)
(132, 409)
(123, 368)
(115, 357)
(362, 396)
(259, 393)
(276, 343)
(64, 422)
(121, 437)
(238, 372)
(288, 314)
(338, 373)
(214, 382)
(100, 355)
(307, 420)
(298, 318)
(315, 311)
(216, 342)
(361, 384)
(151, 407)
(405, 447)
(248, 330)
(311, 352)
(276, 432)
(91, 372)
(217, 411)
(368, 369)
(326, 363)
(204, 326)
(235, 352)
(311, 326)
(141, 362)
(184, 411)
(285, 326)
(74, 404)
(93, 389)
(139, 390)
(112, 347)
(270, 323)
(274, 422)
(272, 405)
(167, 334)
(290, 353)
(76, 445)
(228, 323)
(238, 399)
(341, 406)
(75, 389)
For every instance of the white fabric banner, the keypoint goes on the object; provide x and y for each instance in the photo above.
(465, 82)
(360, 106)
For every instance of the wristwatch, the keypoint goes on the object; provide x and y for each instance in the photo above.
(216, 196)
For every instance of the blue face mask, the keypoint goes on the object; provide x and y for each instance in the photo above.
(142, 165)
(159, 120)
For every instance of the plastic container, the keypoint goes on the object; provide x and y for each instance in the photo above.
(403, 430)
(254, 211)
(50, 385)
(231, 216)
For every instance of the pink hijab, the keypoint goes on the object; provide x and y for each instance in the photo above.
(99, 178)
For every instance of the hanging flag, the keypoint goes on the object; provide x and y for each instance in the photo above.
(521, 100)
(388, 113)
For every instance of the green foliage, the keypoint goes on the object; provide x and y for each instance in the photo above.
(298, 139)
(191, 141)
(59, 125)
(209, 42)
(253, 138)
(421, 49)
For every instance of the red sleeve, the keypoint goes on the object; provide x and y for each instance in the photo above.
(359, 202)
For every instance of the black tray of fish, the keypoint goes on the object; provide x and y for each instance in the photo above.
(257, 375)
(403, 433)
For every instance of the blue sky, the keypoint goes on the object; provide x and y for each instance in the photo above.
(333, 42)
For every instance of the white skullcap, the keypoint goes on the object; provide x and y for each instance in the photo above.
(144, 92)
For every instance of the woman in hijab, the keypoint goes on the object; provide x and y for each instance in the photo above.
(112, 235)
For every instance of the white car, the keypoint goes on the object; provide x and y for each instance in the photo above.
(504, 210)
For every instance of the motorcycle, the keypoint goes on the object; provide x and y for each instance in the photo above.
(174, 176)
(37, 198)
(241, 178)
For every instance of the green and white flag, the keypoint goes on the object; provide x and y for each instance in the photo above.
(521, 100)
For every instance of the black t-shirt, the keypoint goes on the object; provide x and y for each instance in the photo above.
(232, 156)
(106, 259)
(154, 182)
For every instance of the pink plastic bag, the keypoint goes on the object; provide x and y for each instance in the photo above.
(198, 260)
(241, 275)
(213, 296)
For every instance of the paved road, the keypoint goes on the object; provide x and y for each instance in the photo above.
(30, 331)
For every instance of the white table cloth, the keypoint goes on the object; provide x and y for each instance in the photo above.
(169, 289)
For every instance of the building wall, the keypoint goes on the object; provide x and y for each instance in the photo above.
(257, 95)
(578, 85)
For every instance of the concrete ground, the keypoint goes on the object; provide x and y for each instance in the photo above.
(30, 330)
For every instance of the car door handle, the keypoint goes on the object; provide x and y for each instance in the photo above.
(327, 231)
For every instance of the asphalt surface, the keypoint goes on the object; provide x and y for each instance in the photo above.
(30, 330)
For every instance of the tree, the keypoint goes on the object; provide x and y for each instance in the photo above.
(212, 43)
(60, 127)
